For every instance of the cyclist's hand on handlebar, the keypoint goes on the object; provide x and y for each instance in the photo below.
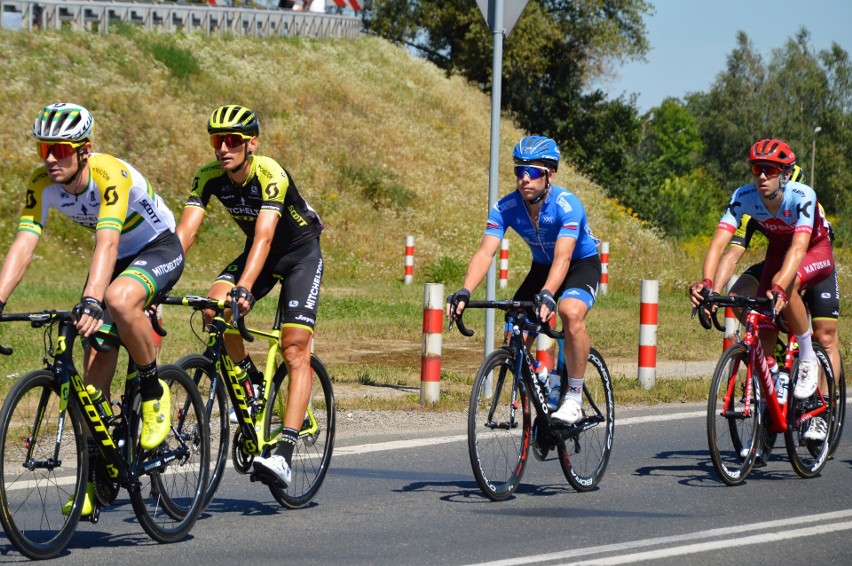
(456, 303)
(245, 300)
(88, 316)
(698, 292)
(546, 305)
(779, 296)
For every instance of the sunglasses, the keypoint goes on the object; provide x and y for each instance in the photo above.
(768, 170)
(60, 150)
(231, 140)
(532, 171)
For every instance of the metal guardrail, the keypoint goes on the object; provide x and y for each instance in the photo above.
(94, 15)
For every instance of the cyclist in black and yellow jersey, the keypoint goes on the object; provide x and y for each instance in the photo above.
(137, 255)
(282, 243)
(823, 299)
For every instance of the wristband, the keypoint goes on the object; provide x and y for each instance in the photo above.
(776, 288)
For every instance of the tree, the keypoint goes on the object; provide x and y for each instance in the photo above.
(556, 49)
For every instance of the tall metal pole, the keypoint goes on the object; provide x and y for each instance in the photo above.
(817, 130)
(496, 7)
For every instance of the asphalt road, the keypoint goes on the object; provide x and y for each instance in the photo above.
(409, 497)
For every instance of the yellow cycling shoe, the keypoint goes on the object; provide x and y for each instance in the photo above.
(156, 419)
(88, 502)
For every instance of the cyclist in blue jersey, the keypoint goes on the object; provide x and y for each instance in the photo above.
(565, 266)
(799, 254)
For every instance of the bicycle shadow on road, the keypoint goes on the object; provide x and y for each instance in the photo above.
(469, 492)
(698, 468)
(246, 507)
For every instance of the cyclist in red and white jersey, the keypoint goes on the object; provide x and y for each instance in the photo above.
(799, 253)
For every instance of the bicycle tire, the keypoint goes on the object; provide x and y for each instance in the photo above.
(32, 499)
(584, 456)
(202, 371)
(729, 429)
(168, 499)
(498, 446)
(808, 457)
(839, 415)
(312, 454)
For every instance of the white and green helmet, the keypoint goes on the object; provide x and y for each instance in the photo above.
(63, 121)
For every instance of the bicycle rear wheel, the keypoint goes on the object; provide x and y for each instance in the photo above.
(202, 372)
(584, 455)
(312, 454)
(36, 482)
(173, 477)
(498, 438)
(808, 456)
(733, 428)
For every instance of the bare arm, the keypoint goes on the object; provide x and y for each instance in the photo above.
(264, 230)
(726, 267)
(190, 222)
(103, 264)
(711, 262)
(16, 263)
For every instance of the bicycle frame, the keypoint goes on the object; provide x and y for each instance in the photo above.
(120, 464)
(777, 413)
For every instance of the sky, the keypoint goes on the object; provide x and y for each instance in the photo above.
(690, 41)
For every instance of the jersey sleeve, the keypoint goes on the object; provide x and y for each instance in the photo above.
(114, 183)
(36, 206)
(572, 216)
(496, 225)
(733, 216)
(274, 183)
(199, 194)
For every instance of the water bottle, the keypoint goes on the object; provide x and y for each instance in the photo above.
(553, 397)
(100, 402)
(782, 385)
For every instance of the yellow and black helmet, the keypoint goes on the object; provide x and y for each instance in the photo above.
(233, 118)
(797, 174)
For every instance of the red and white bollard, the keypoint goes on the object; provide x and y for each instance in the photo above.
(648, 313)
(409, 259)
(731, 322)
(604, 267)
(430, 358)
(544, 348)
(504, 263)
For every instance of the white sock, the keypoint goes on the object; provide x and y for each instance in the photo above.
(575, 390)
(806, 347)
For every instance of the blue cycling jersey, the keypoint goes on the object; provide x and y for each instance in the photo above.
(562, 216)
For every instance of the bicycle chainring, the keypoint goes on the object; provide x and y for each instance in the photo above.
(542, 442)
(106, 490)
(242, 461)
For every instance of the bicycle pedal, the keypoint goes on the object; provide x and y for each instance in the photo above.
(268, 479)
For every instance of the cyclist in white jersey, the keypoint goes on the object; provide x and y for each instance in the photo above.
(799, 253)
(137, 254)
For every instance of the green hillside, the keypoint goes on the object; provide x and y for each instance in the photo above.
(382, 144)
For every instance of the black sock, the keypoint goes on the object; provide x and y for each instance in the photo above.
(149, 382)
(247, 365)
(289, 437)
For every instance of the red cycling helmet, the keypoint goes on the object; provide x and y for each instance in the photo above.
(772, 151)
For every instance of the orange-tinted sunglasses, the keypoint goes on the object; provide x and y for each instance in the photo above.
(768, 170)
(60, 150)
(231, 140)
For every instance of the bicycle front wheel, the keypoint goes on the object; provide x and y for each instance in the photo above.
(498, 427)
(215, 397)
(312, 454)
(584, 455)
(173, 477)
(732, 426)
(809, 455)
(39, 473)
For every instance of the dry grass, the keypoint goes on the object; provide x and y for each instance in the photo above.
(382, 144)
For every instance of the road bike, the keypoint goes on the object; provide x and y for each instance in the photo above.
(743, 409)
(259, 416)
(45, 460)
(500, 424)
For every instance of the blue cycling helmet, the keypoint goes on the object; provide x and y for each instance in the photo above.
(537, 148)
